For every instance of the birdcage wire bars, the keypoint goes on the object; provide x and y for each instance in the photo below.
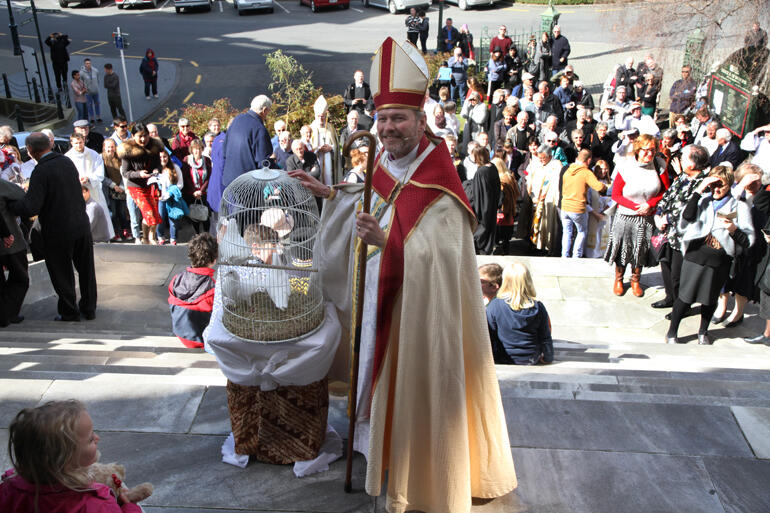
(270, 288)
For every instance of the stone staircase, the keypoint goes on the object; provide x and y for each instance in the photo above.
(620, 422)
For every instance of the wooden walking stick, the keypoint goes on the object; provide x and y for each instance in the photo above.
(359, 306)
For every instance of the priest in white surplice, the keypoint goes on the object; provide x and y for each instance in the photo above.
(429, 412)
(91, 170)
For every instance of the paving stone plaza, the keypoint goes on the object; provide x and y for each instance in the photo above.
(619, 423)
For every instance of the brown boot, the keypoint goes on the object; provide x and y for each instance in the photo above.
(617, 288)
(636, 288)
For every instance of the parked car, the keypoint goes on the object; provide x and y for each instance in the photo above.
(61, 144)
(247, 5)
(93, 3)
(395, 6)
(466, 4)
(123, 3)
(188, 4)
(317, 4)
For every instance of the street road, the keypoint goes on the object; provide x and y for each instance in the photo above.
(220, 54)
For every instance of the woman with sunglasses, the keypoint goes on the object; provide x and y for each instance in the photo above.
(637, 188)
(717, 227)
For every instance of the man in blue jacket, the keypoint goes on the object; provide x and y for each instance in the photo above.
(559, 50)
(247, 143)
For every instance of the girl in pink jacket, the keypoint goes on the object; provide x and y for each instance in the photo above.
(51, 448)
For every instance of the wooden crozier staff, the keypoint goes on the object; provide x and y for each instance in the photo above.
(359, 306)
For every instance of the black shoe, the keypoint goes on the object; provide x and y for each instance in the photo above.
(735, 323)
(663, 303)
(704, 340)
(75, 318)
(719, 320)
(17, 319)
(98, 120)
(759, 339)
(89, 316)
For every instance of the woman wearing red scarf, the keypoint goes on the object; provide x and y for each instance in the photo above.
(149, 70)
(196, 170)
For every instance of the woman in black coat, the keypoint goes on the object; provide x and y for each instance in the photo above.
(484, 195)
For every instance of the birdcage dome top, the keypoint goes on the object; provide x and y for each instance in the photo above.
(271, 290)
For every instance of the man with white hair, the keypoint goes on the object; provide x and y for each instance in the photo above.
(520, 134)
(540, 114)
(278, 128)
(625, 75)
(708, 138)
(302, 159)
(560, 50)
(727, 150)
(758, 142)
(248, 143)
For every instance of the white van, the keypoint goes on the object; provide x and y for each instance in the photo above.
(395, 6)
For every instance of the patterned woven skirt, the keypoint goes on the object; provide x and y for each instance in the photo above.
(281, 426)
(630, 241)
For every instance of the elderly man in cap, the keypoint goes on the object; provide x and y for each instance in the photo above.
(93, 140)
(527, 80)
(428, 409)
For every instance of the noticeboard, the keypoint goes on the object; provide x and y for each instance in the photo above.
(731, 99)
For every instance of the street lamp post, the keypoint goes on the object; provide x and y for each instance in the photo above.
(14, 30)
(42, 50)
(439, 42)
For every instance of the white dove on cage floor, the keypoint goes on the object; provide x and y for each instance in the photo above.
(241, 282)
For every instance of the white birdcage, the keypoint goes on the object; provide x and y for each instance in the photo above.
(270, 290)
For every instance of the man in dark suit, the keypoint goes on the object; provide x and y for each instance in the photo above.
(727, 150)
(55, 196)
(358, 95)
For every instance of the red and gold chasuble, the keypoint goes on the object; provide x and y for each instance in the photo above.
(436, 175)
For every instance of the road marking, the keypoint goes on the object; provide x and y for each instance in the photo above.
(164, 4)
(83, 51)
(282, 7)
(20, 35)
(193, 63)
(220, 7)
(357, 10)
(198, 79)
(187, 98)
(516, 9)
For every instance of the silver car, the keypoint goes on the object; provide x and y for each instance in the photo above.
(245, 5)
(395, 6)
(186, 4)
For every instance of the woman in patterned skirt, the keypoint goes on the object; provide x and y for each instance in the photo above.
(637, 188)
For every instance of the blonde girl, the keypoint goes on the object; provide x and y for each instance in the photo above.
(519, 326)
(51, 448)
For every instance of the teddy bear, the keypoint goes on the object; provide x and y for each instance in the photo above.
(112, 475)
